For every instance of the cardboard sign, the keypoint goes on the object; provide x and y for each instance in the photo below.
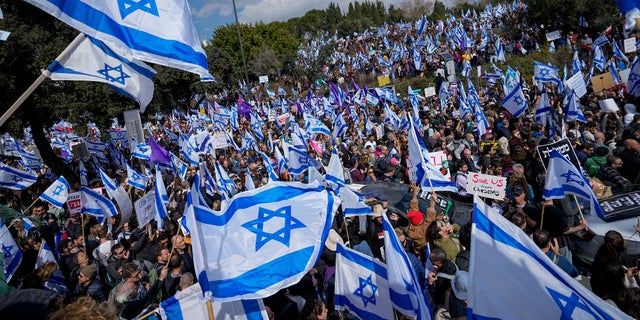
(383, 80)
(630, 45)
(440, 162)
(602, 82)
(429, 92)
(564, 147)
(485, 185)
(608, 105)
(553, 35)
(145, 209)
(74, 203)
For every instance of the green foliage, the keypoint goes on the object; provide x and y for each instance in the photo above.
(564, 14)
(439, 11)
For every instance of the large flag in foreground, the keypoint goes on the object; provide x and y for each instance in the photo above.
(16, 179)
(404, 286)
(92, 60)
(564, 178)
(528, 278)
(161, 32)
(361, 285)
(271, 236)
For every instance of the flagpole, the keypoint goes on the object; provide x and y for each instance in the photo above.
(84, 246)
(578, 205)
(542, 216)
(210, 309)
(147, 315)
(45, 73)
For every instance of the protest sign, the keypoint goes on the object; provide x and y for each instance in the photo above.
(440, 162)
(629, 45)
(621, 206)
(553, 35)
(576, 82)
(429, 92)
(263, 79)
(145, 208)
(485, 185)
(74, 203)
(564, 147)
(602, 82)
(608, 105)
(219, 140)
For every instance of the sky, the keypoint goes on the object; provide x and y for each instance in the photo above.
(209, 14)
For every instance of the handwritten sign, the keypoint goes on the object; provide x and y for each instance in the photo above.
(440, 162)
(74, 203)
(219, 140)
(629, 45)
(145, 209)
(485, 185)
(429, 92)
(553, 35)
(576, 82)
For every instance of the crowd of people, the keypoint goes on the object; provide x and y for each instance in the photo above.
(117, 268)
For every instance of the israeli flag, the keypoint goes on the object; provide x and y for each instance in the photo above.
(601, 40)
(500, 51)
(564, 178)
(545, 73)
(466, 68)
(160, 32)
(515, 102)
(140, 150)
(413, 99)
(617, 52)
(421, 171)
(96, 204)
(481, 121)
(179, 167)
(353, 203)
(136, 179)
(633, 84)
(268, 166)
(335, 175)
(187, 151)
(12, 255)
(384, 62)
(57, 193)
(16, 179)
(161, 199)
(282, 162)
(313, 125)
(271, 235)
(361, 285)
(543, 111)
(576, 65)
(598, 58)
(404, 286)
(339, 126)
(574, 112)
(538, 286)
(552, 47)
(93, 60)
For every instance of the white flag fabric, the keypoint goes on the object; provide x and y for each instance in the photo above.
(421, 171)
(57, 193)
(299, 161)
(404, 286)
(160, 32)
(96, 204)
(140, 150)
(353, 203)
(16, 179)
(362, 285)
(11, 253)
(515, 101)
(528, 278)
(186, 304)
(633, 84)
(271, 236)
(335, 174)
(314, 125)
(93, 60)
(564, 178)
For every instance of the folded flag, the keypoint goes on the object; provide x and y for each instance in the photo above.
(16, 179)
(93, 60)
(362, 285)
(57, 193)
(537, 285)
(272, 236)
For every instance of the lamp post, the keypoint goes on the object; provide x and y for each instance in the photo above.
(244, 61)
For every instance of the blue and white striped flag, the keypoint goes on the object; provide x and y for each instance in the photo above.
(617, 52)
(136, 179)
(574, 112)
(515, 102)
(564, 178)
(281, 161)
(11, 254)
(339, 126)
(466, 68)
(140, 150)
(96, 204)
(299, 161)
(384, 62)
(57, 193)
(314, 125)
(179, 167)
(550, 292)
(335, 174)
(268, 166)
(405, 291)
(161, 199)
(361, 285)
(552, 47)
(500, 51)
(543, 111)
(16, 179)
(599, 59)
(160, 32)
(633, 84)
(93, 60)
(545, 73)
(273, 235)
(421, 170)
(601, 40)
(481, 121)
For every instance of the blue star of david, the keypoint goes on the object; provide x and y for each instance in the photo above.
(106, 72)
(518, 100)
(7, 251)
(128, 7)
(544, 72)
(364, 283)
(634, 77)
(570, 304)
(135, 177)
(282, 235)
(569, 178)
(58, 190)
(304, 161)
(16, 179)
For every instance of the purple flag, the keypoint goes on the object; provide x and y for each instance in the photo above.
(158, 153)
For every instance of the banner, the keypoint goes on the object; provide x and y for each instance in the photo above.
(564, 147)
(145, 209)
(485, 185)
(74, 203)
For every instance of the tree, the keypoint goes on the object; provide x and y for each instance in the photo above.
(414, 9)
